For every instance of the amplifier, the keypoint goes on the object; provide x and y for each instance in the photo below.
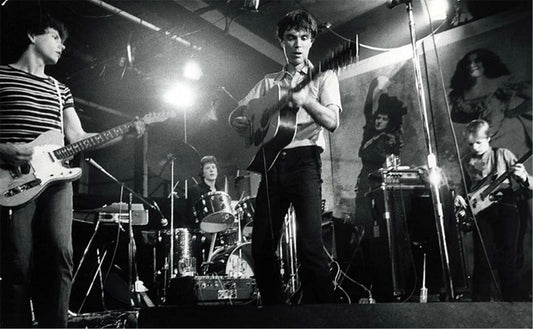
(210, 290)
(401, 175)
(139, 217)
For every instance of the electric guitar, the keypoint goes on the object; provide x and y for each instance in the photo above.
(483, 195)
(273, 123)
(22, 184)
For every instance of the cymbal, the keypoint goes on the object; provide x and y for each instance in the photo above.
(161, 151)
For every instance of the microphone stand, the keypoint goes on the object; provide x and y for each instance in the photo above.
(433, 169)
(131, 240)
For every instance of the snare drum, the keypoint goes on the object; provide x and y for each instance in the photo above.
(234, 261)
(246, 209)
(214, 211)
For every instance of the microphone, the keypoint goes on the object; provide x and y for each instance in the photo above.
(222, 88)
(393, 3)
(324, 26)
(164, 221)
(96, 165)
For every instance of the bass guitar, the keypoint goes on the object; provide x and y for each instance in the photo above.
(22, 184)
(483, 195)
(273, 122)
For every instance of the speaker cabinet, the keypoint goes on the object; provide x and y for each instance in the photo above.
(404, 229)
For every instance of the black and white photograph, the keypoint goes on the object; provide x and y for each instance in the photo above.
(266, 164)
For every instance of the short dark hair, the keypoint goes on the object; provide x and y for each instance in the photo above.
(37, 24)
(205, 160)
(33, 20)
(299, 20)
(476, 126)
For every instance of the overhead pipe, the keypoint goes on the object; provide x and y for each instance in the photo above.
(144, 23)
(100, 107)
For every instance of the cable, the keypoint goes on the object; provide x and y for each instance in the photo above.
(346, 276)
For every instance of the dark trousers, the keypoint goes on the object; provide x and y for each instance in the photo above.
(499, 225)
(295, 178)
(37, 259)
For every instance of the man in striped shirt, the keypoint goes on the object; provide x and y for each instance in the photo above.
(36, 236)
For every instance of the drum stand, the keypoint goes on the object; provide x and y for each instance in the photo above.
(290, 242)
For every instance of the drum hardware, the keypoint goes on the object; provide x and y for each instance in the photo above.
(232, 261)
(291, 263)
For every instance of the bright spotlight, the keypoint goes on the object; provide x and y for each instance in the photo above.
(192, 71)
(180, 95)
(435, 177)
(437, 9)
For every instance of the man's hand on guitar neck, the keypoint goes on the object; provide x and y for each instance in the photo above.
(521, 175)
(15, 154)
(137, 129)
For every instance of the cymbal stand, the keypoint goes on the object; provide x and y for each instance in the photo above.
(171, 256)
(131, 255)
(433, 169)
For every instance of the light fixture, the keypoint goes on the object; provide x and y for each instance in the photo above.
(437, 9)
(181, 95)
(192, 70)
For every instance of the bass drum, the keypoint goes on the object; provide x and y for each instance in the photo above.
(233, 261)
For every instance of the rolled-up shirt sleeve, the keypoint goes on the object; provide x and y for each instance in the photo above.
(330, 91)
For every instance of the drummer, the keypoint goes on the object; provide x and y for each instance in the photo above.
(207, 183)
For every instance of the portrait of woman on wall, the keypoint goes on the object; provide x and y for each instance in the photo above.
(382, 136)
(482, 87)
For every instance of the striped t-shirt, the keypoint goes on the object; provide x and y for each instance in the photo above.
(29, 105)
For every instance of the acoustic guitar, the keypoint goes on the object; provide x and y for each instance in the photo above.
(273, 122)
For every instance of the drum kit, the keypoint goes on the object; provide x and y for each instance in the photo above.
(221, 247)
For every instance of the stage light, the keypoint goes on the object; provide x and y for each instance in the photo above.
(435, 177)
(437, 9)
(180, 95)
(192, 70)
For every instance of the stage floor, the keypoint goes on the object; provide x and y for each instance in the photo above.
(381, 315)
